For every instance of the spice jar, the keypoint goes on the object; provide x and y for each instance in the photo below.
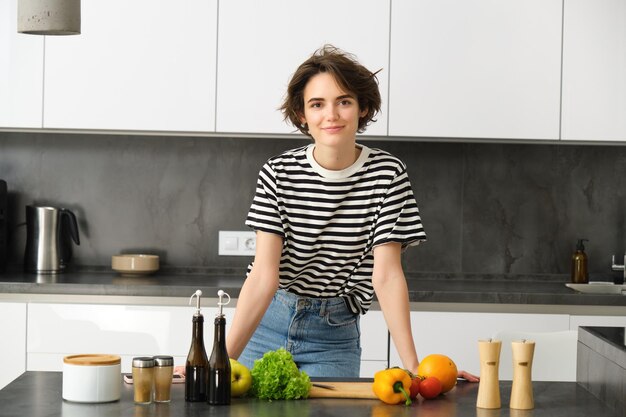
(143, 379)
(163, 371)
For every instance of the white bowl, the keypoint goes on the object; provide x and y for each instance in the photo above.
(92, 378)
(135, 264)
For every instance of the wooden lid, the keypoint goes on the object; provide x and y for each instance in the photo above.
(92, 360)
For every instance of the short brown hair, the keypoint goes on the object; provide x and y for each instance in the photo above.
(347, 72)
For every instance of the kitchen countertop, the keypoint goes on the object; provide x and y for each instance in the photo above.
(601, 364)
(613, 336)
(39, 394)
(434, 289)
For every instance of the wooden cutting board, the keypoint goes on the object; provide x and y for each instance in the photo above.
(343, 390)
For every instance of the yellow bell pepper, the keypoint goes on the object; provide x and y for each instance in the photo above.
(392, 386)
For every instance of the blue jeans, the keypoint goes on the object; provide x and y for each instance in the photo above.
(322, 334)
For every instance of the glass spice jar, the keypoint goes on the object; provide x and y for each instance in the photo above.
(143, 379)
(163, 371)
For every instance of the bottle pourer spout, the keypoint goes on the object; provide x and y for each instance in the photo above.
(196, 294)
(220, 302)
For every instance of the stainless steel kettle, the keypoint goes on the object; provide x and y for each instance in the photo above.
(48, 233)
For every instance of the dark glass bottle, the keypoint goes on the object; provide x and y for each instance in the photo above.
(219, 364)
(197, 364)
(580, 272)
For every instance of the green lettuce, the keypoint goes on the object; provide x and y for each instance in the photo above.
(277, 377)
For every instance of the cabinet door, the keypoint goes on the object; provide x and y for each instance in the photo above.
(457, 334)
(57, 330)
(138, 65)
(13, 336)
(600, 321)
(594, 70)
(374, 343)
(475, 69)
(21, 72)
(261, 43)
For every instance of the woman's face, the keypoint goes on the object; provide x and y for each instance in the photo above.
(331, 113)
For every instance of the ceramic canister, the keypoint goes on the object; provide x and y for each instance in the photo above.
(92, 378)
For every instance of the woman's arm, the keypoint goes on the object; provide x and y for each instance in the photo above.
(256, 293)
(393, 296)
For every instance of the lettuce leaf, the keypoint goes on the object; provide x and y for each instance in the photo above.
(277, 377)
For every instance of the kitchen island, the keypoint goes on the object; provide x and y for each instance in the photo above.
(39, 394)
(150, 315)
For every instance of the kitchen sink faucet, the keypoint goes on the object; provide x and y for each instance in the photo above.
(621, 267)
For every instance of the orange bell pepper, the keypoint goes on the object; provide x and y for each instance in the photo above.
(392, 386)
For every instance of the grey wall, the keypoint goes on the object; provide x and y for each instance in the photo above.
(487, 208)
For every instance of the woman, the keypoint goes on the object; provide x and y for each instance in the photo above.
(331, 220)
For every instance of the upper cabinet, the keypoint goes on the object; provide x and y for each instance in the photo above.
(468, 69)
(594, 70)
(138, 65)
(475, 69)
(261, 43)
(21, 72)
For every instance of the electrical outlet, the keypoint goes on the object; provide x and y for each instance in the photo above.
(234, 243)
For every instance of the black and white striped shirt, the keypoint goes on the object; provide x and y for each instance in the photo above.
(331, 220)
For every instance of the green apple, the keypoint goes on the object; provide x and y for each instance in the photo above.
(240, 379)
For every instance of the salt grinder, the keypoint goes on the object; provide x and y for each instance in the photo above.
(489, 386)
(522, 389)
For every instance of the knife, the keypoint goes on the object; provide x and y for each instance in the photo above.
(318, 385)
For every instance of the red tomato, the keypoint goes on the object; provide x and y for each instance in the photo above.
(415, 387)
(430, 387)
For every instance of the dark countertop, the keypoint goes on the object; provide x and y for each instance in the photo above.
(423, 288)
(601, 364)
(614, 336)
(608, 342)
(38, 394)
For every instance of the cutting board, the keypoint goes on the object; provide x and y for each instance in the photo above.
(343, 390)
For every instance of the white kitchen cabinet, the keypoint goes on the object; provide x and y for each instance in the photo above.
(594, 70)
(13, 336)
(261, 43)
(374, 343)
(137, 65)
(475, 69)
(457, 334)
(599, 321)
(57, 330)
(21, 72)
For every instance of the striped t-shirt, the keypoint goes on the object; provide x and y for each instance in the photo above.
(331, 220)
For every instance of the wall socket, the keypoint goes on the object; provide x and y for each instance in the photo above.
(234, 243)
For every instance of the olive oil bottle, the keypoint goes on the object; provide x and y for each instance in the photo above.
(219, 364)
(197, 364)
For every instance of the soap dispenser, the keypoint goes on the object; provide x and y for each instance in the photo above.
(580, 273)
(197, 364)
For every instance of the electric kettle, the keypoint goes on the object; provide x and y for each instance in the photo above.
(48, 233)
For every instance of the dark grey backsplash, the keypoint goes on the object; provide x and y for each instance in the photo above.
(487, 208)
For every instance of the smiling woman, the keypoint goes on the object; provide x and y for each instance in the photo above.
(332, 219)
(347, 74)
(331, 116)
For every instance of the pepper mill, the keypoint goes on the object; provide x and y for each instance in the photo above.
(489, 386)
(522, 389)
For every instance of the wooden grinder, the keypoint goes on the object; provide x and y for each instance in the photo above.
(489, 386)
(522, 389)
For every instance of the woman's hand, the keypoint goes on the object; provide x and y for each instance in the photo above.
(180, 370)
(467, 376)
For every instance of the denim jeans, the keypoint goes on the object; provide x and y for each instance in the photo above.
(322, 334)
